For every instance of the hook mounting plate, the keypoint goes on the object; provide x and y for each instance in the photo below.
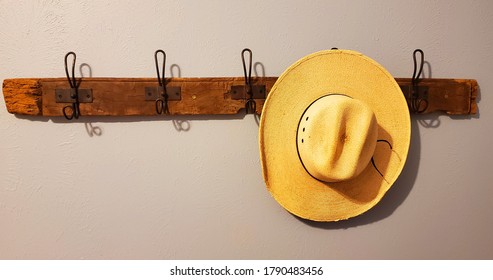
(67, 95)
(422, 91)
(154, 93)
(239, 92)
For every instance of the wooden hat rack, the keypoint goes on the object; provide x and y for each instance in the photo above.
(73, 97)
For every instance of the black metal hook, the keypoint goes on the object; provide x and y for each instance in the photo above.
(162, 102)
(72, 111)
(250, 105)
(417, 101)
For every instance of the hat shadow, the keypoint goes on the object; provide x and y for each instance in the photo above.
(394, 197)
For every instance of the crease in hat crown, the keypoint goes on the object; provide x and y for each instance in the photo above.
(336, 138)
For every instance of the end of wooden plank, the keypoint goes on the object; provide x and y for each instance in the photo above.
(474, 96)
(468, 89)
(23, 96)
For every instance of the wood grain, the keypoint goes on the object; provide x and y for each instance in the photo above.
(23, 96)
(200, 96)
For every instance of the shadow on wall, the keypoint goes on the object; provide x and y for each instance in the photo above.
(393, 198)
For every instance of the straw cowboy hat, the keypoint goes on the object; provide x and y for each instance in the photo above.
(334, 135)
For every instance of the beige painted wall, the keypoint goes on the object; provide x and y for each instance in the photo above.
(144, 190)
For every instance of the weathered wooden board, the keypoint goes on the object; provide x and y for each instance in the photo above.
(204, 96)
(451, 96)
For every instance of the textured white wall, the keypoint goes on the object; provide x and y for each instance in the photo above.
(144, 190)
